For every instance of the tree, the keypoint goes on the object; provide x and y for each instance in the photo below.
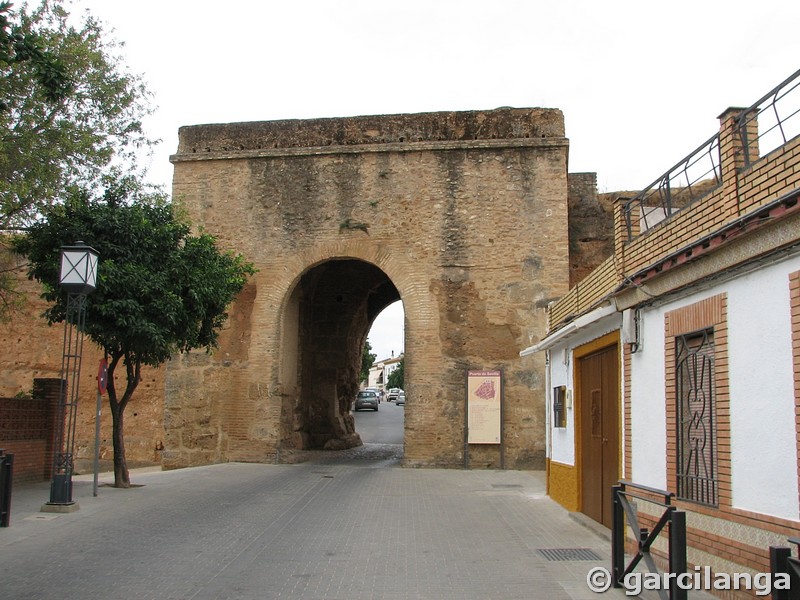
(367, 360)
(160, 290)
(69, 109)
(20, 46)
(396, 377)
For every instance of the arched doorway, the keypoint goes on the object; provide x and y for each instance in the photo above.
(332, 307)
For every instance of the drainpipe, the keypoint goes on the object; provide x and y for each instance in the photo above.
(547, 417)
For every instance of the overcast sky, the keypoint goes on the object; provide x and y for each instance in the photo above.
(640, 83)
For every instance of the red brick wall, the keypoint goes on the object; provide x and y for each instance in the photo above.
(30, 459)
(27, 427)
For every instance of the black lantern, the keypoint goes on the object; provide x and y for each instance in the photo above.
(78, 268)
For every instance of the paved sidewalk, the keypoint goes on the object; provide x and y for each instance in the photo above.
(324, 529)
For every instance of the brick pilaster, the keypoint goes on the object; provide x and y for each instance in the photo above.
(732, 152)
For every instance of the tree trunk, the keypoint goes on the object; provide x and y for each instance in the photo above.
(122, 477)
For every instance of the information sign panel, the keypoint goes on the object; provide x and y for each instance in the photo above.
(484, 414)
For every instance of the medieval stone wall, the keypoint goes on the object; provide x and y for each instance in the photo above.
(591, 225)
(30, 349)
(464, 213)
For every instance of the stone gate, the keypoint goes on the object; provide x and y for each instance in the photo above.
(462, 216)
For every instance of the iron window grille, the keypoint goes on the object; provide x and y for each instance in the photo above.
(560, 406)
(697, 472)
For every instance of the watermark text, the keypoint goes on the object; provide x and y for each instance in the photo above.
(701, 578)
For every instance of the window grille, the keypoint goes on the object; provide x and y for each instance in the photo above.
(559, 406)
(697, 472)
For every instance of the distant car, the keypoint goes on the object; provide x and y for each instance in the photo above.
(366, 399)
(393, 394)
(378, 392)
(401, 398)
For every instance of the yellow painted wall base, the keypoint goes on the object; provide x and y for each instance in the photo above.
(562, 485)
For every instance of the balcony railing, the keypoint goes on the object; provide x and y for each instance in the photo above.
(772, 121)
(765, 126)
(692, 178)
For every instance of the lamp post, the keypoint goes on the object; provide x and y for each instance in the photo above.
(78, 277)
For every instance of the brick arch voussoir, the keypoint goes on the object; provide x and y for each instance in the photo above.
(405, 274)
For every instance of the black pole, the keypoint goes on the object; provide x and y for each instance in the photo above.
(677, 553)
(67, 413)
(6, 479)
(617, 535)
(779, 564)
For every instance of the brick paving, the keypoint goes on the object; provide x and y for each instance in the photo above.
(352, 525)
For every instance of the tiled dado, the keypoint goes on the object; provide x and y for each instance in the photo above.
(732, 533)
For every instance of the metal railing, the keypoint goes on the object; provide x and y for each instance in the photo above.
(625, 511)
(766, 125)
(690, 179)
(771, 121)
(782, 562)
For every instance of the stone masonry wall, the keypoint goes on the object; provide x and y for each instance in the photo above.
(591, 225)
(465, 213)
(30, 349)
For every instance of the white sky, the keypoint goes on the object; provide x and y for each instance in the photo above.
(640, 83)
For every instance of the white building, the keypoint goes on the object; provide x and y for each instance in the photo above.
(675, 365)
(380, 371)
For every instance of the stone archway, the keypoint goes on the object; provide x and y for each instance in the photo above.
(337, 301)
(461, 215)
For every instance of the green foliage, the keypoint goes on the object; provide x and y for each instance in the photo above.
(350, 224)
(160, 289)
(69, 109)
(396, 377)
(367, 360)
(21, 46)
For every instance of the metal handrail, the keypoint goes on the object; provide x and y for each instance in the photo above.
(782, 562)
(6, 480)
(700, 172)
(689, 179)
(624, 511)
(756, 112)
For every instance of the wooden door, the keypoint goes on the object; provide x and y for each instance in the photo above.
(599, 409)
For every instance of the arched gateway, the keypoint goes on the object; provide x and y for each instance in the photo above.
(462, 216)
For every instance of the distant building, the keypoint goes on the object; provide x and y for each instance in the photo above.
(380, 371)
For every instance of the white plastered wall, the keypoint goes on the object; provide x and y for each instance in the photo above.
(562, 367)
(562, 439)
(763, 437)
(648, 412)
(763, 442)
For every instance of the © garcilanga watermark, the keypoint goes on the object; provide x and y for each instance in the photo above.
(599, 580)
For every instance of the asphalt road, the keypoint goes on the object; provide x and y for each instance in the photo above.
(382, 427)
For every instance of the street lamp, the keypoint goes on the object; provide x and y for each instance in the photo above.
(78, 277)
(78, 268)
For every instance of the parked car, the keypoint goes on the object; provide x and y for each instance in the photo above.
(366, 399)
(378, 392)
(393, 394)
(401, 398)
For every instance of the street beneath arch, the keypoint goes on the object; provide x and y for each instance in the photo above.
(382, 427)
